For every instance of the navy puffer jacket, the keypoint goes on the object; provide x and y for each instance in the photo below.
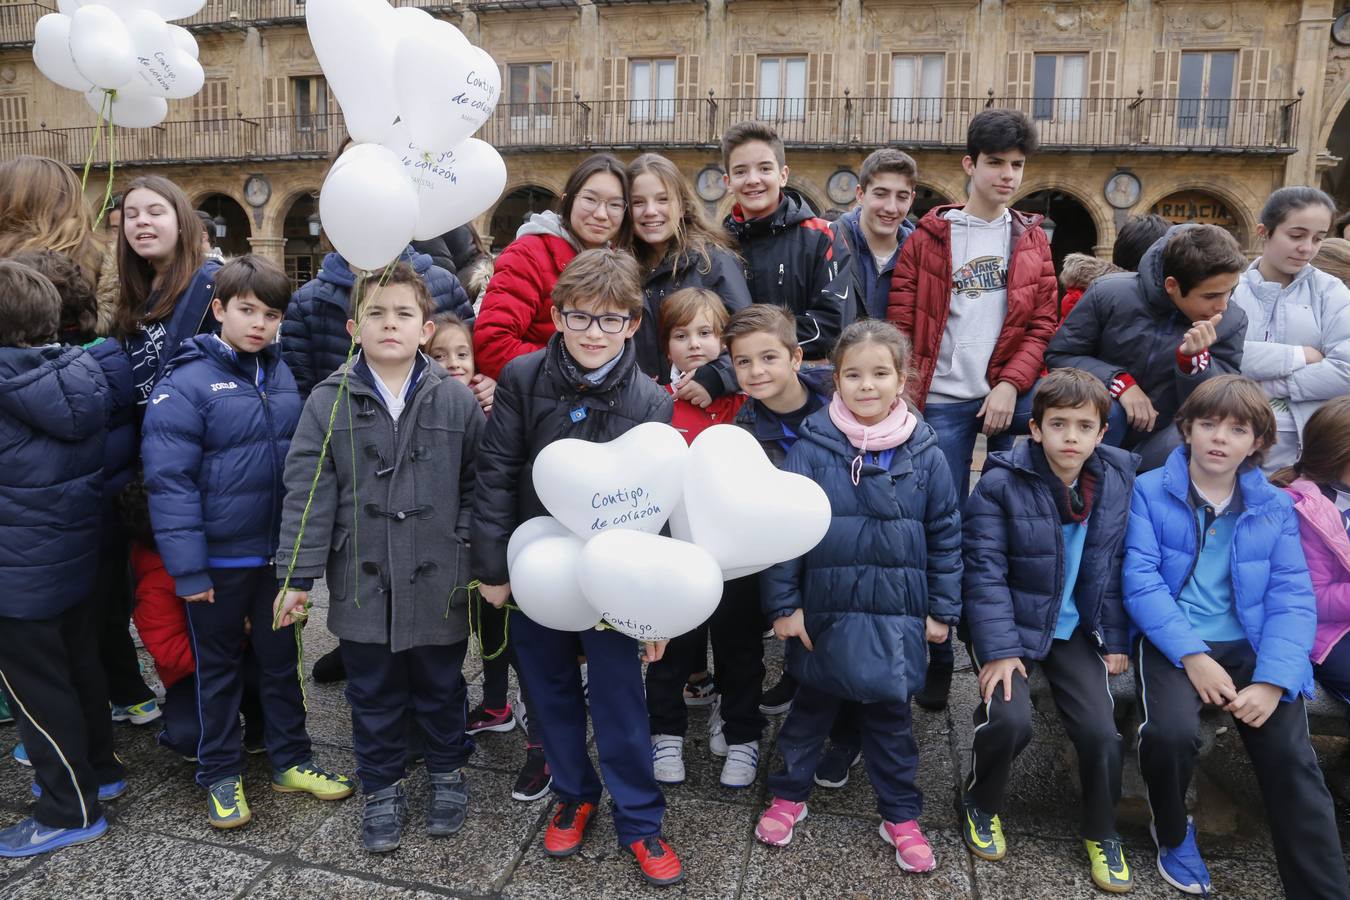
(122, 451)
(214, 446)
(52, 418)
(1014, 557)
(314, 336)
(891, 557)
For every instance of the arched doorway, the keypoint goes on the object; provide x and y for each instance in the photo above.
(926, 198)
(1068, 223)
(229, 222)
(1201, 208)
(305, 245)
(514, 209)
(1336, 180)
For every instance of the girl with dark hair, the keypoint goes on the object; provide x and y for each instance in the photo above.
(1298, 317)
(515, 318)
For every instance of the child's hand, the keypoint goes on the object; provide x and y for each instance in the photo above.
(1201, 335)
(290, 607)
(653, 650)
(1210, 680)
(495, 594)
(1117, 663)
(1139, 411)
(1000, 671)
(689, 389)
(935, 632)
(483, 389)
(206, 596)
(1255, 703)
(792, 626)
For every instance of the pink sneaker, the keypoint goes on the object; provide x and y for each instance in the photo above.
(912, 851)
(775, 826)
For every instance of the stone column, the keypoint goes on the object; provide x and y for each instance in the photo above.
(273, 248)
(1309, 67)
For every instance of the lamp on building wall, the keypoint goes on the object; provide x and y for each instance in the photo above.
(219, 222)
(315, 225)
(1048, 226)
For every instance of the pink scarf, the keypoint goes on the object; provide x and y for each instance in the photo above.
(887, 434)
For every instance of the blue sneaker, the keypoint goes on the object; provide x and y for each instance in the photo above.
(138, 713)
(1181, 866)
(21, 756)
(29, 838)
(110, 791)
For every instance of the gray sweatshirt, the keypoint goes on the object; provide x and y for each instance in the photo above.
(978, 307)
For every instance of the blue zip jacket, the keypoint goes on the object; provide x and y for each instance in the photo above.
(214, 445)
(873, 288)
(765, 425)
(52, 417)
(1272, 592)
(314, 336)
(891, 557)
(1014, 556)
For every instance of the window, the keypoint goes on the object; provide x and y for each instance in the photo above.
(309, 103)
(651, 87)
(916, 88)
(1058, 88)
(211, 105)
(782, 87)
(1206, 87)
(530, 91)
(13, 113)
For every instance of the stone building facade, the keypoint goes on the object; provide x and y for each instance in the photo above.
(1195, 108)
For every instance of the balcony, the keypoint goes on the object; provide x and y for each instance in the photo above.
(17, 21)
(1138, 125)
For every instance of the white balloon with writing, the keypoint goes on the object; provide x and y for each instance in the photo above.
(545, 584)
(649, 587)
(368, 209)
(748, 513)
(163, 69)
(100, 46)
(128, 110)
(632, 482)
(446, 88)
(453, 186)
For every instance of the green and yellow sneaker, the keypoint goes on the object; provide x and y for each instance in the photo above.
(1109, 870)
(983, 833)
(226, 804)
(311, 779)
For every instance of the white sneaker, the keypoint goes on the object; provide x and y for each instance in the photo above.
(742, 763)
(668, 758)
(521, 714)
(717, 742)
(585, 683)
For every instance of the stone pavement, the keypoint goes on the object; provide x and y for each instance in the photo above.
(160, 845)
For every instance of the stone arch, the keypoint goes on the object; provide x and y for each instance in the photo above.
(1102, 217)
(515, 203)
(927, 195)
(226, 209)
(1237, 204)
(810, 193)
(301, 251)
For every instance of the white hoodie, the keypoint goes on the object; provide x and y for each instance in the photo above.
(979, 305)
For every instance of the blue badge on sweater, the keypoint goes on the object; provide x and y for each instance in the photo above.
(577, 414)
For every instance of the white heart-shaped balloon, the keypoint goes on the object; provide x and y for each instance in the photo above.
(367, 207)
(531, 530)
(128, 110)
(183, 40)
(632, 482)
(446, 88)
(544, 583)
(744, 511)
(101, 47)
(163, 69)
(649, 587)
(51, 53)
(453, 186)
(353, 43)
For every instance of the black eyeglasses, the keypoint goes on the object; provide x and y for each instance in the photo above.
(610, 323)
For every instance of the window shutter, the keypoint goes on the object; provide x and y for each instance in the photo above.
(1166, 66)
(1021, 66)
(1254, 74)
(1101, 80)
(562, 83)
(620, 77)
(956, 69)
(607, 78)
(819, 79)
(737, 85)
(14, 113)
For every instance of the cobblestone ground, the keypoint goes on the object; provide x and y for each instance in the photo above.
(160, 845)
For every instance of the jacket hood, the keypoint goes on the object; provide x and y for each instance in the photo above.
(790, 212)
(549, 223)
(55, 390)
(1151, 276)
(1269, 290)
(214, 349)
(335, 270)
(820, 429)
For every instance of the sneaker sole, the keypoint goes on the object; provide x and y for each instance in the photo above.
(283, 789)
(663, 781)
(26, 763)
(697, 702)
(775, 710)
(102, 796)
(900, 862)
(139, 720)
(1114, 888)
(445, 832)
(383, 848)
(232, 823)
(499, 728)
(737, 787)
(1185, 889)
(69, 840)
(830, 784)
(787, 840)
(526, 798)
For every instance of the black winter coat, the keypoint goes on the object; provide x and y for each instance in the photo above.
(532, 408)
(1015, 558)
(792, 259)
(52, 418)
(1126, 323)
(723, 277)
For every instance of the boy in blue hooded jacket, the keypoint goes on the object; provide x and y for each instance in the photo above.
(1216, 580)
(217, 429)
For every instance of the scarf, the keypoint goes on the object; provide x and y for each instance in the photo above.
(1073, 502)
(887, 434)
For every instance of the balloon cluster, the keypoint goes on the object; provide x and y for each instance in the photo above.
(413, 90)
(123, 55)
(599, 557)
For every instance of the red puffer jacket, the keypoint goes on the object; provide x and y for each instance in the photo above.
(921, 291)
(691, 421)
(514, 319)
(160, 617)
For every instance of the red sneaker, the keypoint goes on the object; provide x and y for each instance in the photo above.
(567, 827)
(659, 864)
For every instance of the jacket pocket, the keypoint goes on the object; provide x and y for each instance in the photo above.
(858, 656)
(341, 566)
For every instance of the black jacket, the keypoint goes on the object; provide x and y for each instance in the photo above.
(532, 408)
(723, 276)
(793, 260)
(764, 423)
(1127, 323)
(1015, 558)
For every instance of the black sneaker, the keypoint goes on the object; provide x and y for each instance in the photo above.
(835, 762)
(778, 698)
(449, 803)
(534, 779)
(329, 667)
(253, 742)
(383, 818)
(700, 693)
(937, 684)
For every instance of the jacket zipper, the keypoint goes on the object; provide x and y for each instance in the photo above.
(272, 455)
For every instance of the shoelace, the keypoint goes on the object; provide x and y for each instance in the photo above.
(653, 846)
(1191, 873)
(1111, 853)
